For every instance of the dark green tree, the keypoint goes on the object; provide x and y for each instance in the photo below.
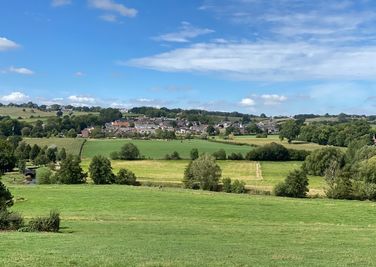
(100, 170)
(70, 171)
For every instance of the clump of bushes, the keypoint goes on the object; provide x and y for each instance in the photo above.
(174, 156)
(276, 152)
(44, 175)
(45, 224)
(237, 187)
(295, 185)
(125, 177)
(235, 156)
(220, 154)
(10, 221)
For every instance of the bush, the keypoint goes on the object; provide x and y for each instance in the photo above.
(174, 156)
(44, 176)
(263, 135)
(100, 170)
(238, 187)
(321, 159)
(235, 156)
(295, 185)
(6, 198)
(10, 220)
(298, 155)
(269, 152)
(194, 153)
(45, 224)
(126, 177)
(226, 185)
(203, 173)
(129, 152)
(114, 155)
(220, 154)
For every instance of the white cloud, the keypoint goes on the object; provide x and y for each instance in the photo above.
(109, 17)
(57, 3)
(247, 102)
(6, 44)
(79, 74)
(15, 97)
(185, 33)
(110, 5)
(23, 71)
(273, 99)
(268, 61)
(81, 100)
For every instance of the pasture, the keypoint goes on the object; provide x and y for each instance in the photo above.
(32, 115)
(138, 226)
(252, 140)
(172, 172)
(157, 149)
(71, 145)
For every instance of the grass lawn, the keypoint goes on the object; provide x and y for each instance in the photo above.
(157, 149)
(71, 145)
(136, 226)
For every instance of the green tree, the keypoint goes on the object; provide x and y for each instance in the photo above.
(295, 185)
(6, 198)
(321, 159)
(70, 171)
(100, 170)
(62, 155)
(194, 153)
(290, 130)
(126, 177)
(129, 152)
(203, 173)
(34, 152)
(220, 154)
(7, 159)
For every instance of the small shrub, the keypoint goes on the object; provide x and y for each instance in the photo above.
(220, 154)
(114, 155)
(44, 175)
(46, 224)
(174, 156)
(226, 185)
(238, 187)
(126, 177)
(295, 185)
(194, 153)
(10, 220)
(235, 156)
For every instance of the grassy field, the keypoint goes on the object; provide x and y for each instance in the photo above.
(71, 145)
(136, 226)
(157, 149)
(172, 171)
(15, 113)
(252, 140)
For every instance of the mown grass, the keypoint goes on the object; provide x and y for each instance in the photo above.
(71, 145)
(130, 226)
(157, 149)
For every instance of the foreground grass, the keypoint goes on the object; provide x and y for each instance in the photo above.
(125, 226)
(157, 149)
(71, 145)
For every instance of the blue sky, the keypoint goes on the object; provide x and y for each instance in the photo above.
(280, 57)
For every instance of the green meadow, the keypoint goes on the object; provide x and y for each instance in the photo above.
(138, 226)
(157, 149)
(71, 145)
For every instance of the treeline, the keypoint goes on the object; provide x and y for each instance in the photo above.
(335, 134)
(68, 126)
(53, 107)
(197, 115)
